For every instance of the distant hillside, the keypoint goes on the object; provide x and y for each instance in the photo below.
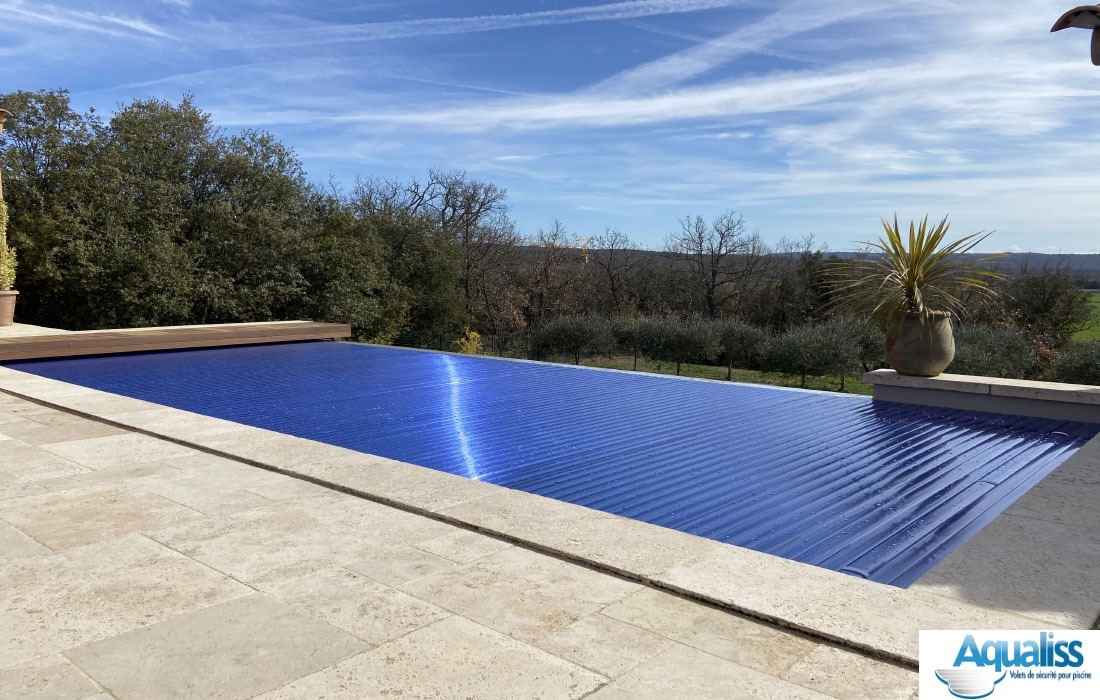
(1082, 265)
(1085, 267)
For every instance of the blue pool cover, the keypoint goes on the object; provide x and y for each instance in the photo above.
(878, 490)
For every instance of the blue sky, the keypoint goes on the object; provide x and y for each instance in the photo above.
(809, 117)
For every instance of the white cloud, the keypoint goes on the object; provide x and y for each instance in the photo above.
(64, 18)
(380, 31)
(788, 20)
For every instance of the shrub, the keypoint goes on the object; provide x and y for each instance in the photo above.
(869, 338)
(740, 344)
(823, 349)
(673, 340)
(7, 253)
(988, 351)
(1078, 364)
(469, 343)
(627, 333)
(656, 337)
(575, 335)
(1049, 305)
(696, 341)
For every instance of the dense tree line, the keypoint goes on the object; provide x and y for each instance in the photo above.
(155, 216)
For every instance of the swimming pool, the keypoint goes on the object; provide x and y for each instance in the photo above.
(878, 490)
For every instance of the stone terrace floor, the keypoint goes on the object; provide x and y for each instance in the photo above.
(132, 567)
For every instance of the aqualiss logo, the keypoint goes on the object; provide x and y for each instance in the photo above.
(1013, 664)
(978, 669)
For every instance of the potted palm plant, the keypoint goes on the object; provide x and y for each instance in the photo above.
(7, 254)
(914, 285)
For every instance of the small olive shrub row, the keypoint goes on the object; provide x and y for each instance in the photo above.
(839, 347)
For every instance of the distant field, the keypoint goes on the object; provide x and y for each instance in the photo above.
(851, 386)
(1094, 332)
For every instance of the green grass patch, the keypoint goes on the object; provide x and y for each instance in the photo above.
(748, 376)
(1091, 334)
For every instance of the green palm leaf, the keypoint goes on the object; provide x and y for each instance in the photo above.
(914, 274)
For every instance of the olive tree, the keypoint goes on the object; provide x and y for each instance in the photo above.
(821, 349)
(988, 351)
(674, 340)
(575, 335)
(628, 333)
(740, 343)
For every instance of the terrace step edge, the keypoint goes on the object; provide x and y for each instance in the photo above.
(76, 343)
(1076, 402)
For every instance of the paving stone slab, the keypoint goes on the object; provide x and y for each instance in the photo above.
(714, 631)
(269, 447)
(98, 403)
(1075, 505)
(229, 651)
(373, 612)
(400, 566)
(847, 676)
(25, 462)
(51, 603)
(463, 546)
(10, 419)
(521, 593)
(683, 672)
(50, 677)
(118, 476)
(40, 434)
(605, 645)
(16, 490)
(863, 614)
(175, 423)
(129, 448)
(288, 540)
(416, 487)
(14, 544)
(453, 658)
(202, 490)
(223, 473)
(70, 519)
(617, 543)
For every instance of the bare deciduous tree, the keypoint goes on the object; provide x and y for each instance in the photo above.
(719, 258)
(554, 274)
(472, 212)
(614, 263)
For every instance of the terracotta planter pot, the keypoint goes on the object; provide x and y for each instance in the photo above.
(7, 307)
(920, 351)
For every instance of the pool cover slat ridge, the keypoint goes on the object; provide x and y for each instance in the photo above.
(875, 489)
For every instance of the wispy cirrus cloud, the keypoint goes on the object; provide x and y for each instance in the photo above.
(80, 20)
(403, 29)
(751, 97)
(706, 56)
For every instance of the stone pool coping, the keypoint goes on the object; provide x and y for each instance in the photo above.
(1015, 396)
(877, 619)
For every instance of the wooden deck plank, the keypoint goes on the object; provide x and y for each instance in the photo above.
(166, 338)
(109, 338)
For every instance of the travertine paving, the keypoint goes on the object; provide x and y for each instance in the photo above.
(132, 567)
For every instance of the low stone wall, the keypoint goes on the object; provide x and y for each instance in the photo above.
(1014, 396)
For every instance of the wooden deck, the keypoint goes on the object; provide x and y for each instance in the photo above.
(26, 347)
